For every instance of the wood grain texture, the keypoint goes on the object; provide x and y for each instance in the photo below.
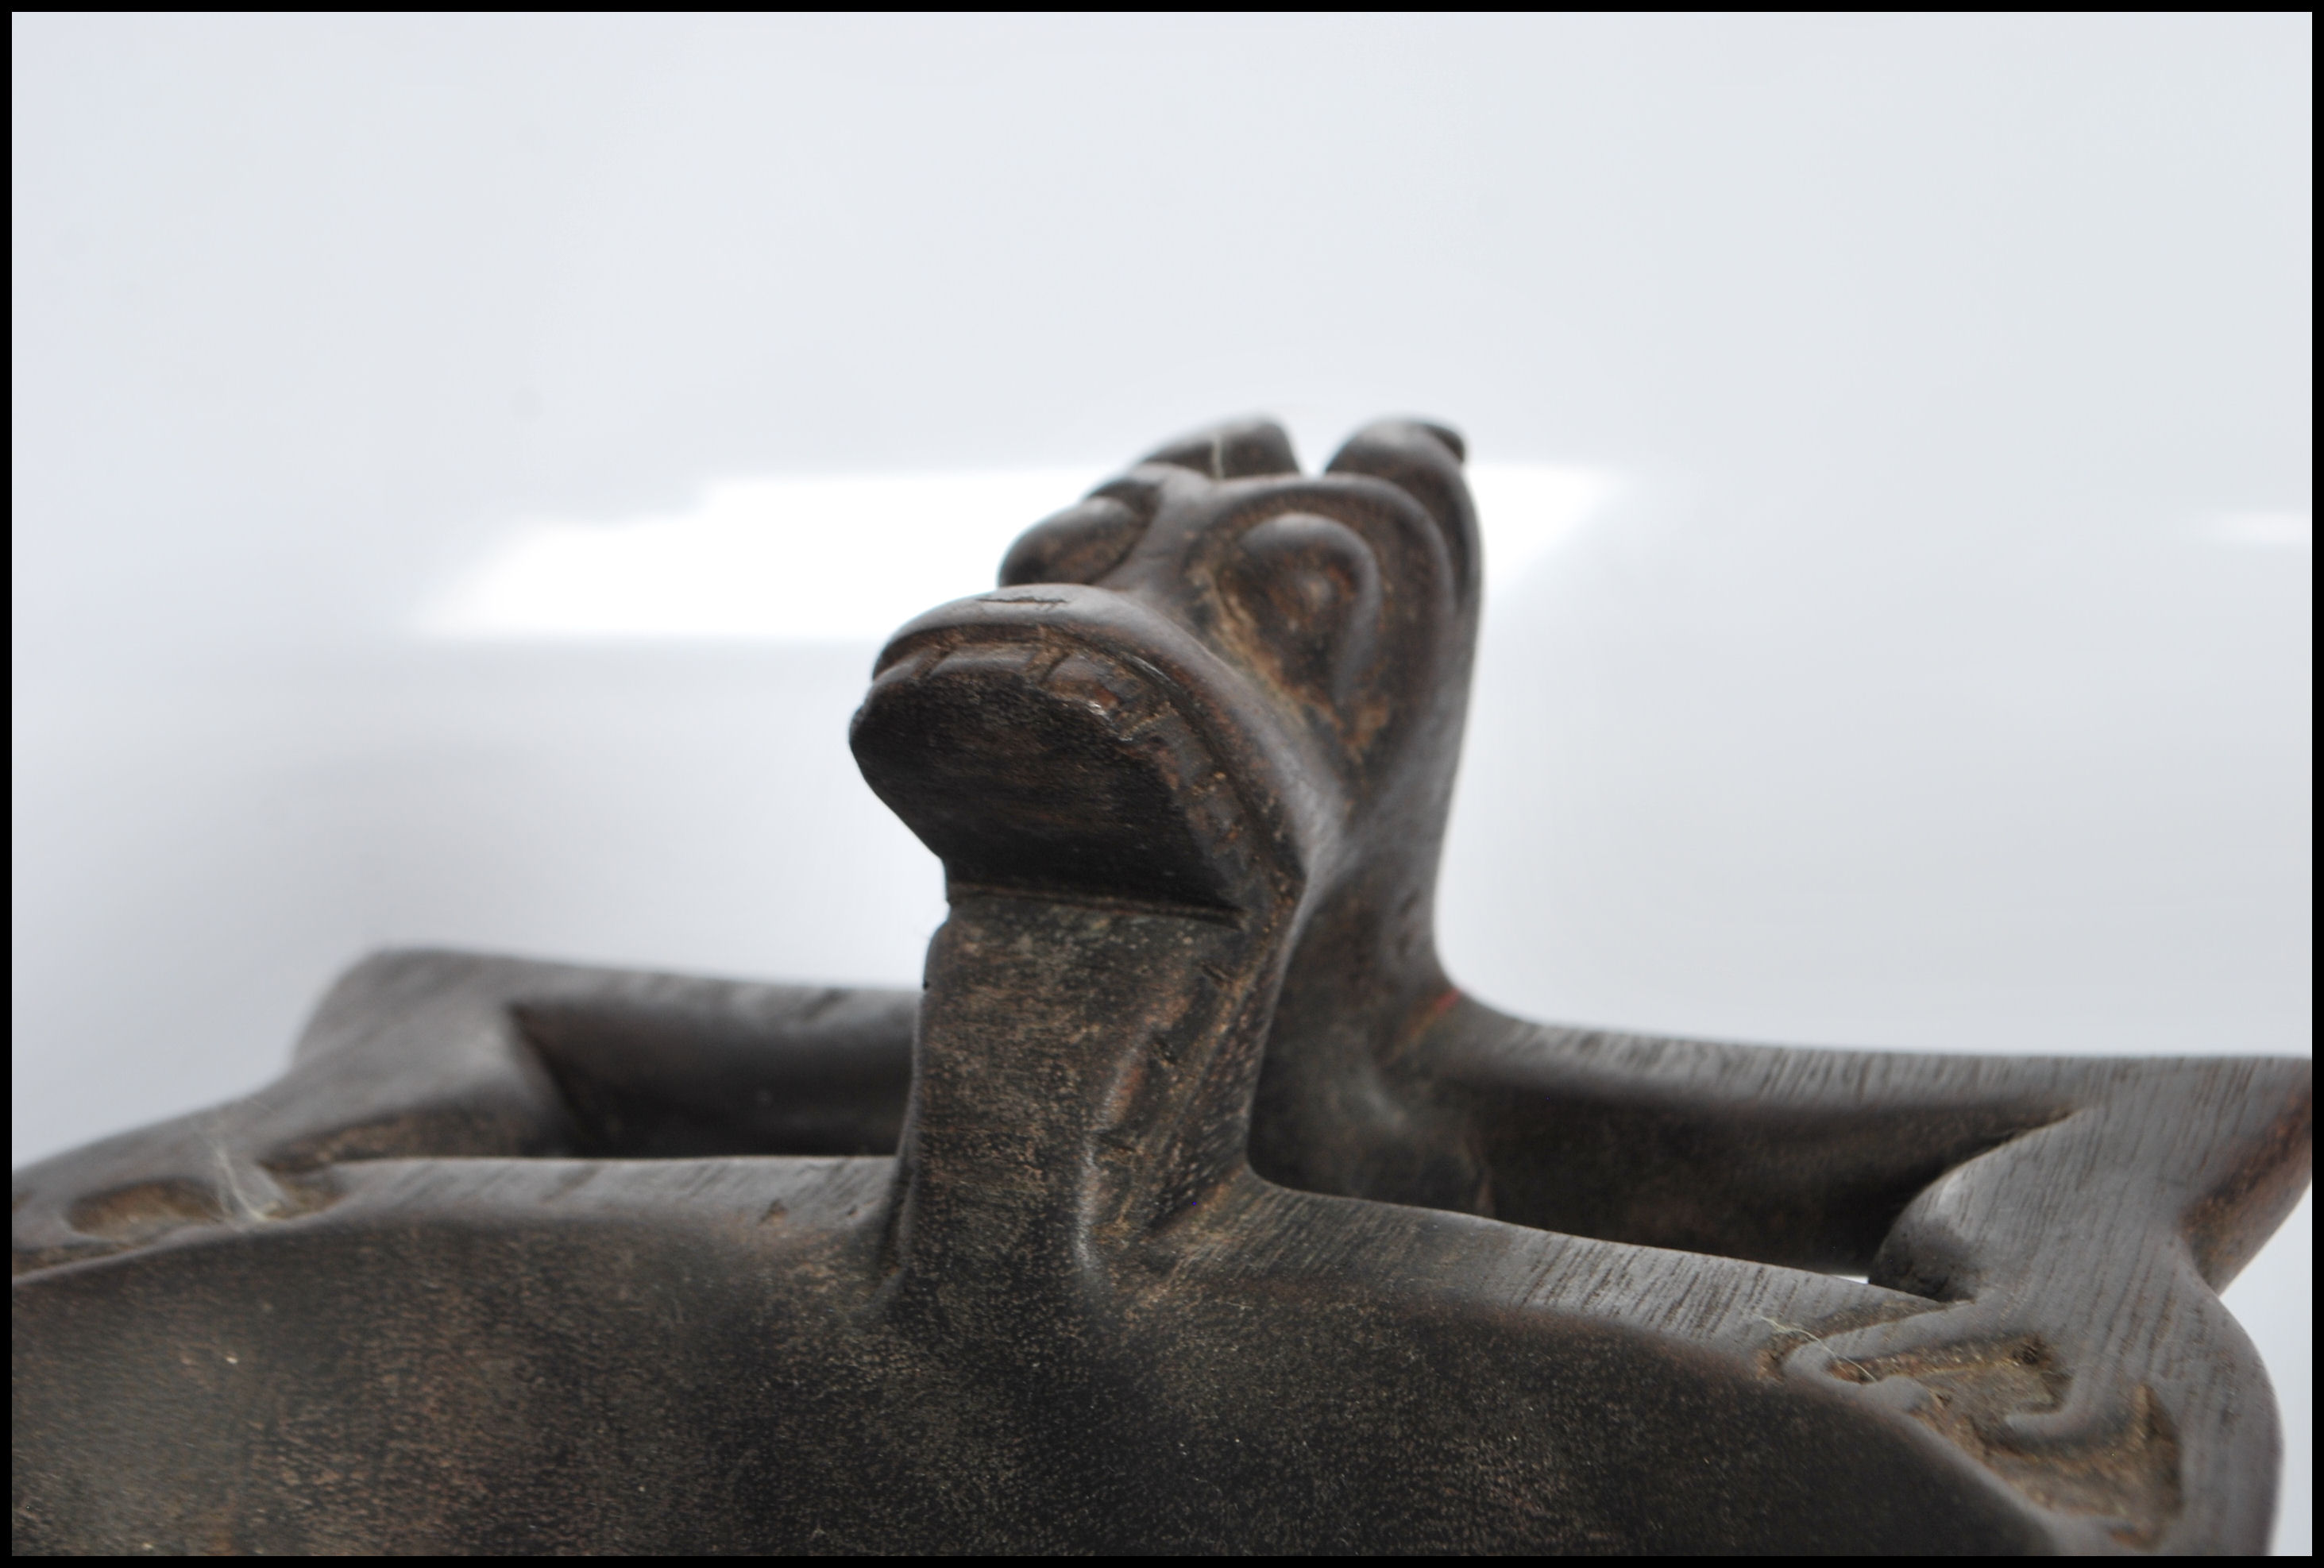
(1189, 1208)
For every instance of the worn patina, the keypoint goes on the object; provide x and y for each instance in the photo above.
(1188, 1206)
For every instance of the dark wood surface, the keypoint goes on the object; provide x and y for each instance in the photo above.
(1188, 1206)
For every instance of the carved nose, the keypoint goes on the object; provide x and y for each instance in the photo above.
(1079, 545)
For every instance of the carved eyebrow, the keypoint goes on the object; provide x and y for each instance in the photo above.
(1142, 496)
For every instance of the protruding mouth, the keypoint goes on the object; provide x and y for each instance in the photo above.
(1038, 756)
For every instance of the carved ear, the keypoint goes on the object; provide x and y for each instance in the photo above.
(1236, 449)
(1424, 460)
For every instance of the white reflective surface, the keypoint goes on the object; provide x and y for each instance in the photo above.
(1920, 660)
(848, 558)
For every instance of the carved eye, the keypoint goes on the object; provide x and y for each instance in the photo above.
(1311, 588)
(1079, 545)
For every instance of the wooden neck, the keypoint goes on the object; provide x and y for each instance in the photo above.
(1082, 1076)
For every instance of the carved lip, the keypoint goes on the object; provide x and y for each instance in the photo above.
(1064, 742)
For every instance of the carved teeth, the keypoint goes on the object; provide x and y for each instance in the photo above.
(1124, 701)
(909, 665)
(1128, 702)
(1033, 761)
(1010, 659)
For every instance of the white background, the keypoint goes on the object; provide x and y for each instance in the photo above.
(1931, 671)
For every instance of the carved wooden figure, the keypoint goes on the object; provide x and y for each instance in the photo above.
(1188, 1206)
